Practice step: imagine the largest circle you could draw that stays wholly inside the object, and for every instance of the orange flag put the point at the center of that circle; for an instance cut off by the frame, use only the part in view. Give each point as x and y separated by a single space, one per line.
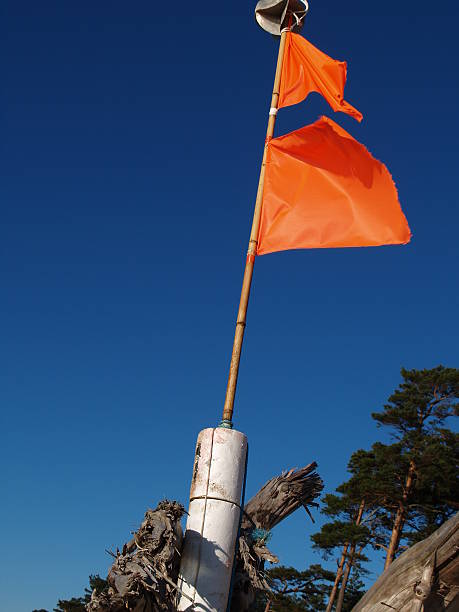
324 189
305 68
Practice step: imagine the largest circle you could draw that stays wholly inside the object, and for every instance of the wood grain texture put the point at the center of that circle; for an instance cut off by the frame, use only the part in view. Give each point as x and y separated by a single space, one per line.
425 578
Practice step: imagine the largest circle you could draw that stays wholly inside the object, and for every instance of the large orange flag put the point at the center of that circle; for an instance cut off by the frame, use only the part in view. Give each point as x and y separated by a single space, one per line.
305 68
324 189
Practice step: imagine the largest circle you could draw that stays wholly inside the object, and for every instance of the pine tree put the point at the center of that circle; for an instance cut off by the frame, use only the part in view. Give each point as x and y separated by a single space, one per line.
295 590
347 534
416 413
77 604
354 592
356 523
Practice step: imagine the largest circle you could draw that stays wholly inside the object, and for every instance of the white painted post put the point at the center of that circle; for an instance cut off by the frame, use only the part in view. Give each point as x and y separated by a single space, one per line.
213 521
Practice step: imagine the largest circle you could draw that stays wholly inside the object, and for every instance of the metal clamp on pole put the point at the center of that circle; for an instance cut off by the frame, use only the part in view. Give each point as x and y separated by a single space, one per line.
274 15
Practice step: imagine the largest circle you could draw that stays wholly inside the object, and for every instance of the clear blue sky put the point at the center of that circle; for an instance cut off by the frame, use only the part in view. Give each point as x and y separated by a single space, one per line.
131 141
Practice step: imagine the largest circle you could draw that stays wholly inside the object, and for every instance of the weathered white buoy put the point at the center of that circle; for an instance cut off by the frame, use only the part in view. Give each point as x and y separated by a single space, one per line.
213 522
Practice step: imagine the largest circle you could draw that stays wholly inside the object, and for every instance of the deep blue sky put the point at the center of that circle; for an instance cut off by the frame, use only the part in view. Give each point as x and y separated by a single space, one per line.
131 141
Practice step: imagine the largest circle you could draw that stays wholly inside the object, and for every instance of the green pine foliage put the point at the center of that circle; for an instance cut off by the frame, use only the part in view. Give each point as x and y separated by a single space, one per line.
77 604
421 404
334 535
296 590
304 591
419 471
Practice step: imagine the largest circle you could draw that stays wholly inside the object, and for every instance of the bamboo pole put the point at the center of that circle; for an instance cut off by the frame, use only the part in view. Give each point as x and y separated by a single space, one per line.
251 252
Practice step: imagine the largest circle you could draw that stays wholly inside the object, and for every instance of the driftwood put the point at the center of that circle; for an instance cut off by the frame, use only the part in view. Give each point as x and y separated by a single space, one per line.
143 577
425 578
279 497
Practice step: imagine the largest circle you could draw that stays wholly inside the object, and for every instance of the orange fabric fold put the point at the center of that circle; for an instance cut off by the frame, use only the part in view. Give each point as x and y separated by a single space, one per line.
305 68
324 189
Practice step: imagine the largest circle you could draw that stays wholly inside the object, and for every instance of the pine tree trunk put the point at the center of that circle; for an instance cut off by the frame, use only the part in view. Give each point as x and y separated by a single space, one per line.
347 572
339 573
350 562
400 517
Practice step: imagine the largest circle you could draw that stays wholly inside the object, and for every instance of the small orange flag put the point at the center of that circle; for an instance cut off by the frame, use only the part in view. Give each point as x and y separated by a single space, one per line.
324 189
305 68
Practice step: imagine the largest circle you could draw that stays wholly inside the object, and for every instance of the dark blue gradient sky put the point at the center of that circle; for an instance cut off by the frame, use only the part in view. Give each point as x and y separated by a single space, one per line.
131 142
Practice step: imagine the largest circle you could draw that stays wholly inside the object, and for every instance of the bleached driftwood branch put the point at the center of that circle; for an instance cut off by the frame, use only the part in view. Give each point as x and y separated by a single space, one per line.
424 578
276 500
